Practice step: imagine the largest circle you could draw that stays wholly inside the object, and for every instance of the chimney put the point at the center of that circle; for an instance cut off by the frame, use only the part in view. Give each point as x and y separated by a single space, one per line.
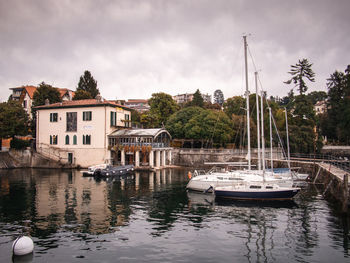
47 102
99 98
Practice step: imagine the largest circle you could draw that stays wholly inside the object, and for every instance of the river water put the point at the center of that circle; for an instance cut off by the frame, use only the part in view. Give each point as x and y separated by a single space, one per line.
151 218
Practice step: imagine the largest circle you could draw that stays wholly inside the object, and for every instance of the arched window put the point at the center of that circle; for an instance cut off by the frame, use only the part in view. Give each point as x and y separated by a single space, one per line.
75 140
50 139
67 139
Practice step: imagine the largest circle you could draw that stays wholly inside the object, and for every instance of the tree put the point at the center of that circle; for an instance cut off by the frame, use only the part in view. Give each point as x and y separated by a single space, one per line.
88 84
219 97
43 92
82 95
316 96
235 106
176 122
205 125
336 124
13 119
162 106
300 71
197 99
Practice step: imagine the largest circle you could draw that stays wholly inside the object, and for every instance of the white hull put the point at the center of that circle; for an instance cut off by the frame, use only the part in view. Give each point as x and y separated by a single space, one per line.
206 182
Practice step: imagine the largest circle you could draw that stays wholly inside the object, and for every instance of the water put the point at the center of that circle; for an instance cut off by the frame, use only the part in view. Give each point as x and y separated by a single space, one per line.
151 218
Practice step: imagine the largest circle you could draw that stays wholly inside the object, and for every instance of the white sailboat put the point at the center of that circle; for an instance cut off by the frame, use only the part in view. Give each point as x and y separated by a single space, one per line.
223 182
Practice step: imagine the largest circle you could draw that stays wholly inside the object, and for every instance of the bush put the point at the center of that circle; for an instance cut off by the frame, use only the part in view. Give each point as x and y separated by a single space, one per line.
19 144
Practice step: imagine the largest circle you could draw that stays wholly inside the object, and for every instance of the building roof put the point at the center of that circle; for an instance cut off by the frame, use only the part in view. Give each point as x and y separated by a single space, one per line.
136 101
80 103
64 91
30 90
139 133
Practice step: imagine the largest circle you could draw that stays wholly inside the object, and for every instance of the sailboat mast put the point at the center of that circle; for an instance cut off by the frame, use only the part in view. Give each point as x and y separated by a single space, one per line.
288 151
271 139
257 118
247 99
262 130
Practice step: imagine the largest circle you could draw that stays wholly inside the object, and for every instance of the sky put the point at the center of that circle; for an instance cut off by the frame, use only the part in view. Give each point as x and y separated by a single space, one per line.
135 48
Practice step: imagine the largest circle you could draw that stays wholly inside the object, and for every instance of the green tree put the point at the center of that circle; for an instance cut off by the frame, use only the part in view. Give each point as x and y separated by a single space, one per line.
204 125
235 106
82 95
299 72
13 119
162 106
88 84
316 96
176 122
336 122
197 100
43 92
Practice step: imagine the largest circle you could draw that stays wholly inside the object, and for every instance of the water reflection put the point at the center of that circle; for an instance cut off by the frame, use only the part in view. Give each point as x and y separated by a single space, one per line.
63 208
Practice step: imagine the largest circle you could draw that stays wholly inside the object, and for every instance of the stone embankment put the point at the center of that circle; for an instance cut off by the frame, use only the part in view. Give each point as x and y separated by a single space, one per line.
27 159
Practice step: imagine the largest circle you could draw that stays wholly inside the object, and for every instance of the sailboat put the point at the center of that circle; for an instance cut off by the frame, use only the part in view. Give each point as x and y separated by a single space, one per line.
252 190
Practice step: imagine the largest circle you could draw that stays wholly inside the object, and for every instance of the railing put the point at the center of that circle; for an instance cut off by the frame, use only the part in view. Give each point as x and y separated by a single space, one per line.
340 162
53 153
140 144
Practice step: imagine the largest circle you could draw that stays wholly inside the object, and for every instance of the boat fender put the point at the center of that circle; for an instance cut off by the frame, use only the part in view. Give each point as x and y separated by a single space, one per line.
23 245
189 175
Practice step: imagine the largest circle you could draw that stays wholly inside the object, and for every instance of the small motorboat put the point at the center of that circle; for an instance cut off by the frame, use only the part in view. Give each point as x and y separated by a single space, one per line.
114 171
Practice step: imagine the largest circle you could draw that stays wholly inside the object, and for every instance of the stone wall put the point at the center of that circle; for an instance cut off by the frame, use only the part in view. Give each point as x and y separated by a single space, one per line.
27 159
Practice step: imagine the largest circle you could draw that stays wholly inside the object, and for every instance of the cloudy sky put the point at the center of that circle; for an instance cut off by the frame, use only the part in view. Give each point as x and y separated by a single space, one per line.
136 48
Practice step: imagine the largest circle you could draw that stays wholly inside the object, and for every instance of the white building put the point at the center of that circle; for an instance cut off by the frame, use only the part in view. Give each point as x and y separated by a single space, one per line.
184 98
138 105
77 132
320 107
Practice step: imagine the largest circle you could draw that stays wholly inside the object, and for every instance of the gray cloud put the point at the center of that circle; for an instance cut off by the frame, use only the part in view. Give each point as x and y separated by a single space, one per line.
136 48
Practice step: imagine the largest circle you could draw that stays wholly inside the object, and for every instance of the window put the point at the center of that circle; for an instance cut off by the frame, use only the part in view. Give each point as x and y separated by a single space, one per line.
127 120
75 140
87 115
72 121
53 117
24 104
53 139
67 139
87 139
113 118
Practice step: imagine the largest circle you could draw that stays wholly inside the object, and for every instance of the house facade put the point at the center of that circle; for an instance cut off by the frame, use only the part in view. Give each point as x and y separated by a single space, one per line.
184 98
76 132
138 105
320 107
25 95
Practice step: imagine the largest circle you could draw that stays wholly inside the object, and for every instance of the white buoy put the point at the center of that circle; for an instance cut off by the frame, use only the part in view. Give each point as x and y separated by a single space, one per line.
23 245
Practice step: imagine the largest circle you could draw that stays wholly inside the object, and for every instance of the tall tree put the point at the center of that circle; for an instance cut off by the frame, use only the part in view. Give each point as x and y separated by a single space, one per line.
336 124
197 99
88 83
162 106
13 119
219 97
299 72
82 95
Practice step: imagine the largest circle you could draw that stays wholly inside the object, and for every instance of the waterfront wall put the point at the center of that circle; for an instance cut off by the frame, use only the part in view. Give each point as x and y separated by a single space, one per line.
27 159
198 157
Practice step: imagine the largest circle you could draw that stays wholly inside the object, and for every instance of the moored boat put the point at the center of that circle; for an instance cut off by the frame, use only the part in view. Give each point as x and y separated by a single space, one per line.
255 191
